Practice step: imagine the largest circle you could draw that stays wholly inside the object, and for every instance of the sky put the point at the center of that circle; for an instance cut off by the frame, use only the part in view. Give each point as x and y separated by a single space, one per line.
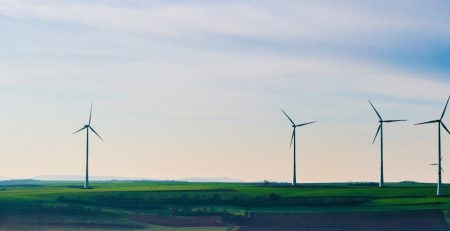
194 88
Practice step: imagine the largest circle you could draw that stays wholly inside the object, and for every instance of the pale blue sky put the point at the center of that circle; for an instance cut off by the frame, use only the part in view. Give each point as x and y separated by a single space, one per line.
194 88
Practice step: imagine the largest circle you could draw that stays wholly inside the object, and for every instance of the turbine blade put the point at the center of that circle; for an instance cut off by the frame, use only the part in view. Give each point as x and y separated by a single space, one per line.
428 122
390 121
292 138
90 115
299 125
378 130
288 117
445 127
445 108
79 130
378 114
96 133
437 165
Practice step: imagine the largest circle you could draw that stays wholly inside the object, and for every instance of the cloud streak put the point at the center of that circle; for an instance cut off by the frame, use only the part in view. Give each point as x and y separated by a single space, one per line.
321 20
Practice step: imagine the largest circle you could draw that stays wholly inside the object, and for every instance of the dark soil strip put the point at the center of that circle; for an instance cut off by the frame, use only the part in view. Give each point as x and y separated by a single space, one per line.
180 221
83 225
391 221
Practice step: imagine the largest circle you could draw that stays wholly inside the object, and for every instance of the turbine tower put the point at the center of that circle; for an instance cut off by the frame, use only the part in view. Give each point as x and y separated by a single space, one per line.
88 127
380 130
440 124
294 126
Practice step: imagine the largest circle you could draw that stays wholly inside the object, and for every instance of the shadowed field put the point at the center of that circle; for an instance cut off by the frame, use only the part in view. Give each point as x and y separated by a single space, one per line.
221 206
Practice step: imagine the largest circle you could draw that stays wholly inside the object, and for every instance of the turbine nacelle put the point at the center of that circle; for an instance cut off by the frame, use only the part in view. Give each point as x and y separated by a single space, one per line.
439 121
294 126
436 121
381 121
88 126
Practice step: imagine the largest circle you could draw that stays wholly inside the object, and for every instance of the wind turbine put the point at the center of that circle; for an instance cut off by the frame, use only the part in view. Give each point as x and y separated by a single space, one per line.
88 127
380 129
294 126
440 124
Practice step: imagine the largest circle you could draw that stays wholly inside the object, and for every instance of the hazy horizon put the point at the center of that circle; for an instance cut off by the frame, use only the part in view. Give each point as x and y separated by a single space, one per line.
80 178
194 88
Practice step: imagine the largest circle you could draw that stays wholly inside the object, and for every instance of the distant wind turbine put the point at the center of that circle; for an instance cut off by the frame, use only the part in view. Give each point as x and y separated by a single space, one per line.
380 130
88 127
294 126
440 124
438 165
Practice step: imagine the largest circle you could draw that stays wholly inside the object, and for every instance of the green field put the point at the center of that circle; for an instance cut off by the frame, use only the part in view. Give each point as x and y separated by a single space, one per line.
134 205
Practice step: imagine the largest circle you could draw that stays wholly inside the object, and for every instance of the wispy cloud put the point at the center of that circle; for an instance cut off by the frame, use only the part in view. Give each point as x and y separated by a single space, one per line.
413 34
317 20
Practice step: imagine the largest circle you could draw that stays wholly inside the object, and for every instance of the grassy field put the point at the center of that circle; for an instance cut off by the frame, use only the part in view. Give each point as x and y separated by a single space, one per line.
213 206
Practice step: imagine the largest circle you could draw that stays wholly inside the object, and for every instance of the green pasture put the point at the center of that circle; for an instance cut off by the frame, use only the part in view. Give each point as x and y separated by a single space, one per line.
164 196
115 201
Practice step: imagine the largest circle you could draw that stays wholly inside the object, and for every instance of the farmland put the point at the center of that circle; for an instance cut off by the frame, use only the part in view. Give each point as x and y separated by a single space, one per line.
220 206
